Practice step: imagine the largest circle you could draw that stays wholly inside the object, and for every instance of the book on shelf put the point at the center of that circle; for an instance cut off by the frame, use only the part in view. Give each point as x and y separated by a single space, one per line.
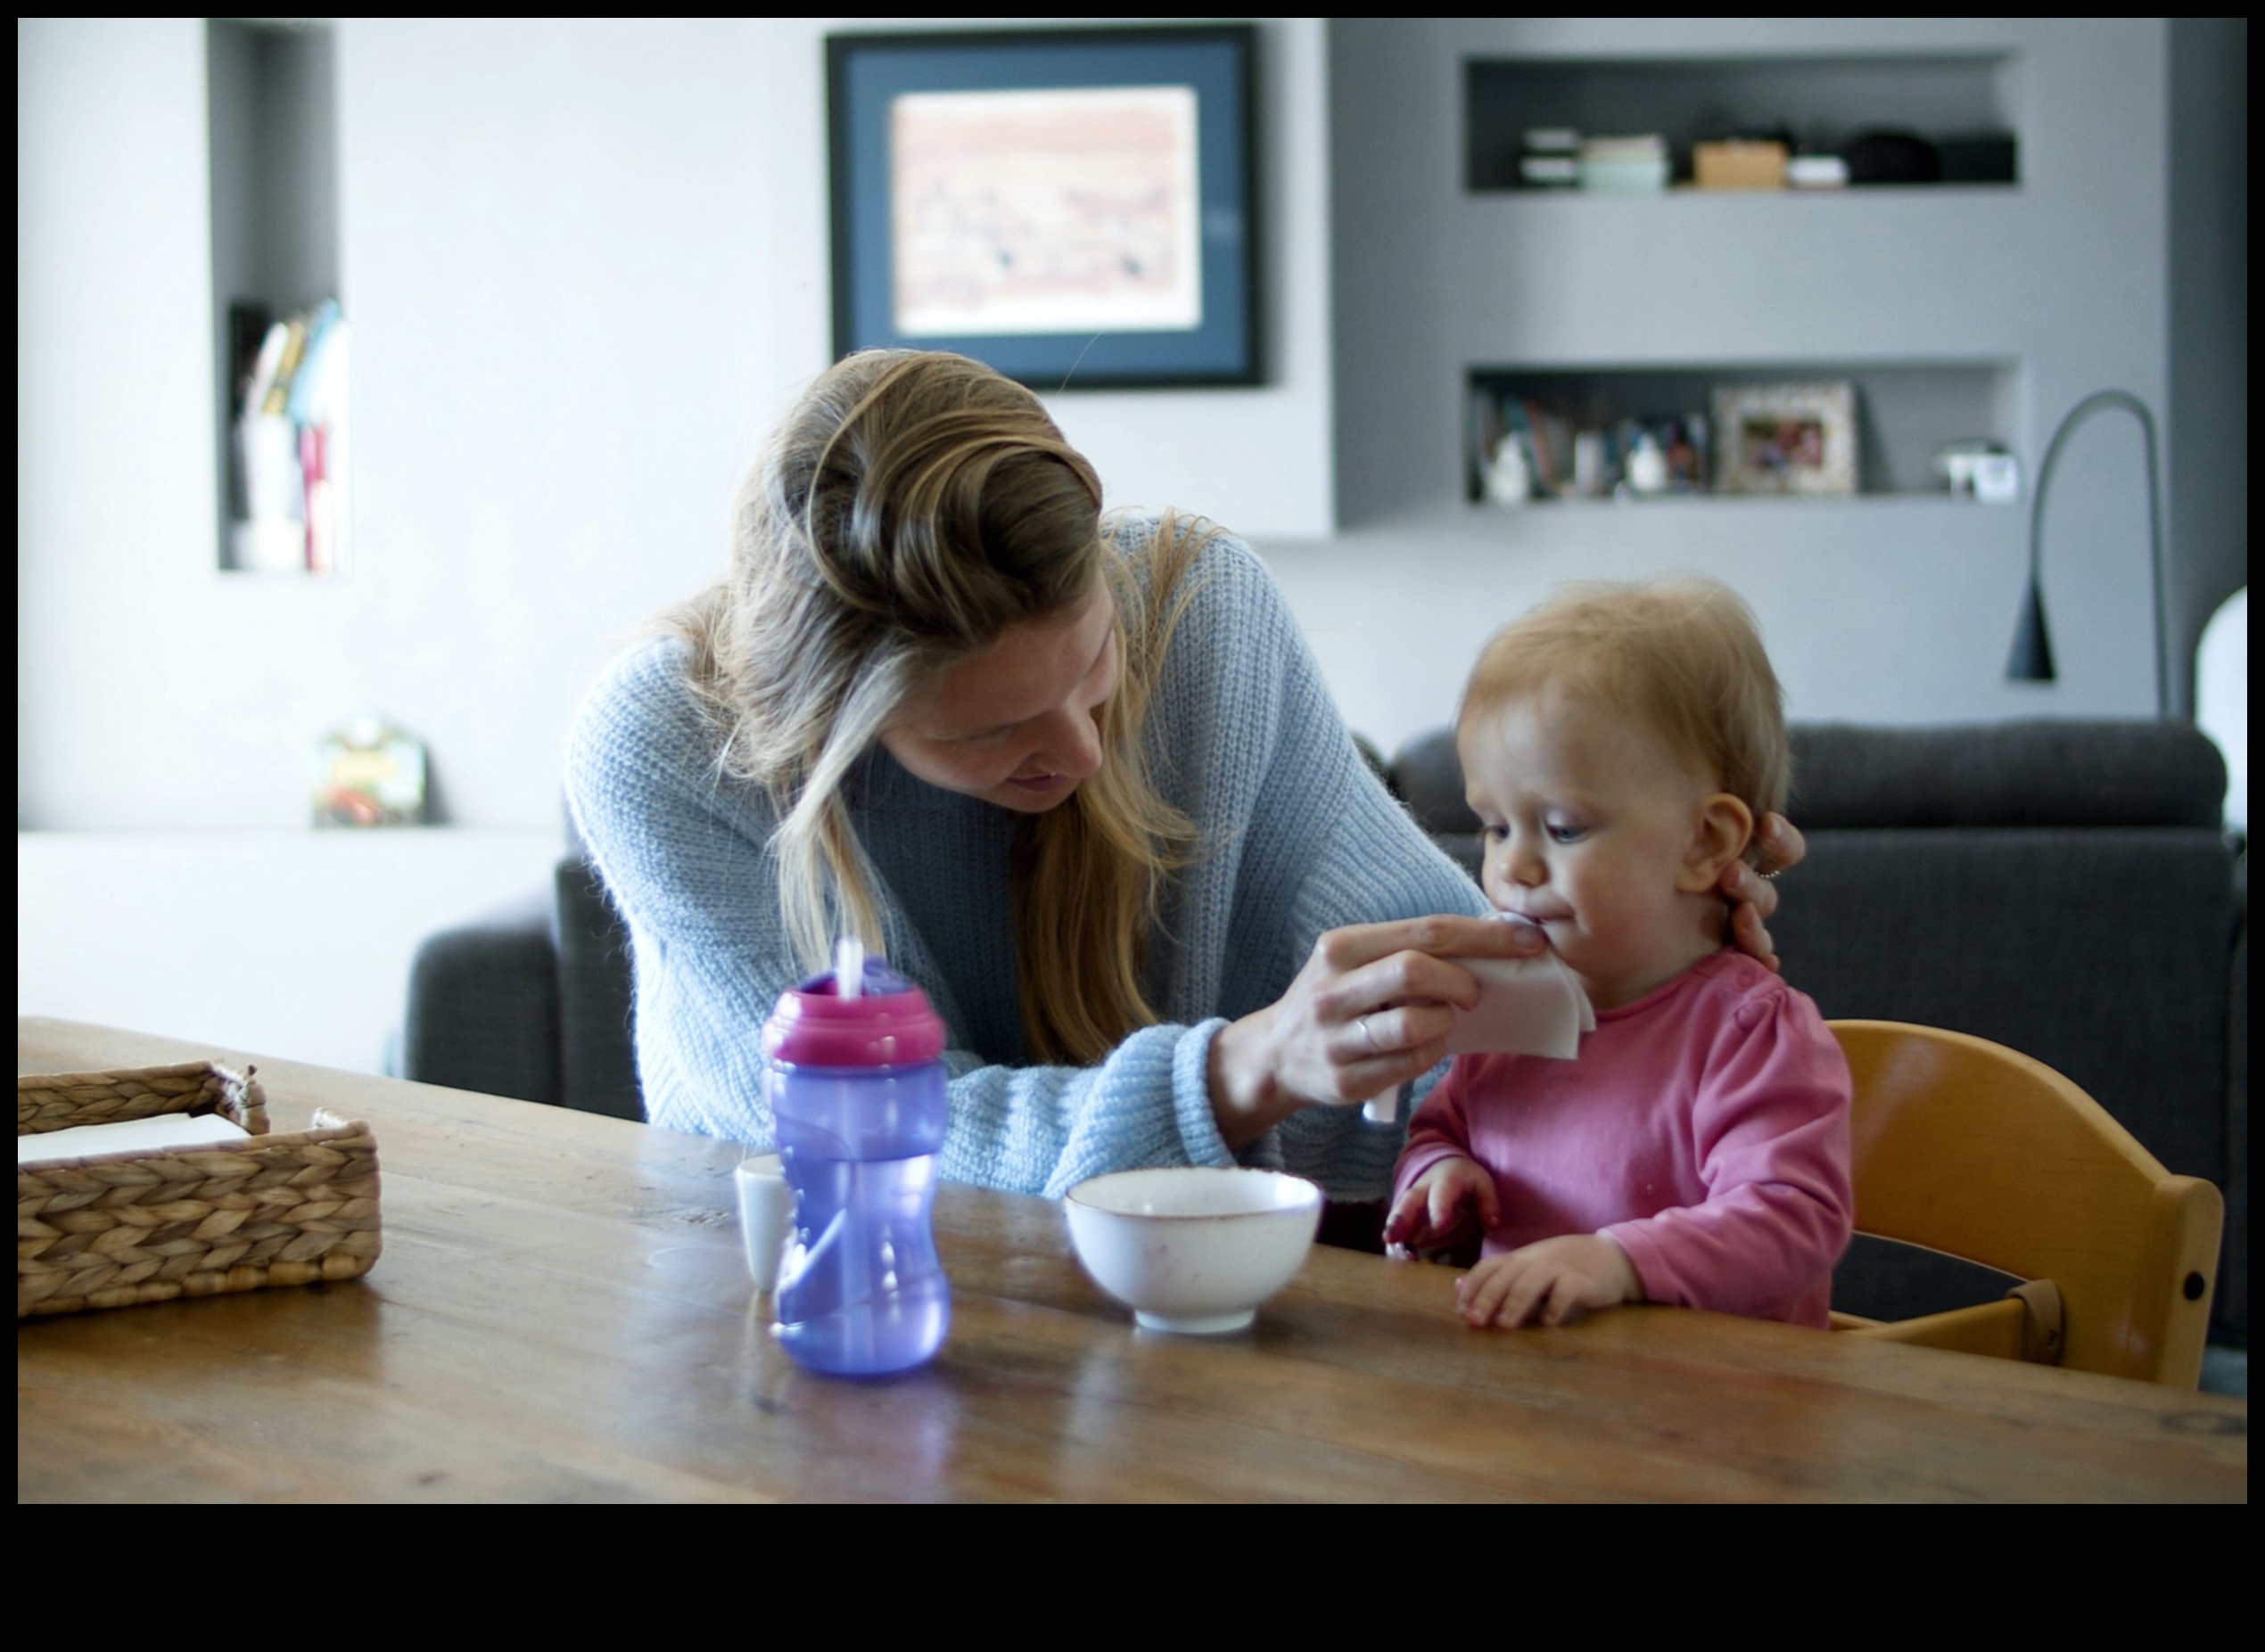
1625 166
288 447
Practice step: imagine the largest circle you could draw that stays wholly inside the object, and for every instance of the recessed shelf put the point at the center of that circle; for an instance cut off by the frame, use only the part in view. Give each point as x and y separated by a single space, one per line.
1822 100
1904 411
272 102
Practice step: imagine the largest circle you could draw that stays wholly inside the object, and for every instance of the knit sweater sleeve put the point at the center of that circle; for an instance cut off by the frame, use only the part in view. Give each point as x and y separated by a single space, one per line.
1300 837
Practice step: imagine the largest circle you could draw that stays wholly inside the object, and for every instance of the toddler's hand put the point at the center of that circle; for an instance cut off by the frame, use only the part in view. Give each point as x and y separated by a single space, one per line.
1438 1210
1551 1283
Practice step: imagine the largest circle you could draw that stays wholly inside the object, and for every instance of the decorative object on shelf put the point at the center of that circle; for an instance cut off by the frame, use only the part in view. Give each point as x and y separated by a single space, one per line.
1077 208
1625 166
1816 172
1739 164
290 444
1977 158
1524 449
1785 438
1978 470
1645 467
1510 475
1592 461
1888 157
2031 659
1550 158
369 774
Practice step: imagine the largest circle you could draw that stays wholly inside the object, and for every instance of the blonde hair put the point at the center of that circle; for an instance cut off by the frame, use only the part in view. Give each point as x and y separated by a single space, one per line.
912 507
1682 657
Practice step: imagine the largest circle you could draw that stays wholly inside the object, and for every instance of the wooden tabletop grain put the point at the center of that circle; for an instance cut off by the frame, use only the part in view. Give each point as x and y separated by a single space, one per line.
561 1314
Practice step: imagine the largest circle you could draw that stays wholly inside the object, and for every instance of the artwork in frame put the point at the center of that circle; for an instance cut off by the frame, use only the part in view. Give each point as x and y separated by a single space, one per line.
1785 438
1076 208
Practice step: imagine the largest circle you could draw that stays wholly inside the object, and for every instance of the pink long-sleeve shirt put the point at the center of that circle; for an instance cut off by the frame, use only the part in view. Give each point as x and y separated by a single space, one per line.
1704 1127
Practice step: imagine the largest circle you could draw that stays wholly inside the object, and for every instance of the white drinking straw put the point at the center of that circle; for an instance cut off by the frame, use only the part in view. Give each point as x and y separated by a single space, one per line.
849 967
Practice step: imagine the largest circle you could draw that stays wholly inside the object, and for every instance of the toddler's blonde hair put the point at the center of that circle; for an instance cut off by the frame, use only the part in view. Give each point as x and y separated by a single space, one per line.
1683 657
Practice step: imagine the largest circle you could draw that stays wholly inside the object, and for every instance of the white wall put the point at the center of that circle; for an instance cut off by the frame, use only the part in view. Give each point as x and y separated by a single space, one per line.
290 944
587 266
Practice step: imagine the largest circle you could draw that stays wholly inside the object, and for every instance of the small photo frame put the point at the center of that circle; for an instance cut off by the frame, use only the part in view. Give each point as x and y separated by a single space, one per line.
1797 438
1076 207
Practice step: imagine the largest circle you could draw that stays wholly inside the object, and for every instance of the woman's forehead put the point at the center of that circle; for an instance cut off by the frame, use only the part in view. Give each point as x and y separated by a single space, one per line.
1026 670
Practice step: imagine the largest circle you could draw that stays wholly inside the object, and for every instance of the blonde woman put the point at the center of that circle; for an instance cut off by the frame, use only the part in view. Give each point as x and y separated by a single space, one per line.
1079 779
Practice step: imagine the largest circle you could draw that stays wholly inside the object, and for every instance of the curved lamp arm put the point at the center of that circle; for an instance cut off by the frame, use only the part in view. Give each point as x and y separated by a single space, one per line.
2032 656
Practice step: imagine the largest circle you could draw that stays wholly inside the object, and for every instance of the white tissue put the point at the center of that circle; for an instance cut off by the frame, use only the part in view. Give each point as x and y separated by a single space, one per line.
1526 1006
165 1130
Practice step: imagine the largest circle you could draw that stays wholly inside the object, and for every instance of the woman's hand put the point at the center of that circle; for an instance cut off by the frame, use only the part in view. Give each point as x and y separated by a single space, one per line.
1552 1282
1752 897
1372 1008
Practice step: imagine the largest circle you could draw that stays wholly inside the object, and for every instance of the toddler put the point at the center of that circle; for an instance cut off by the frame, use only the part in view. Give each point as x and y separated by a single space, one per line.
1619 745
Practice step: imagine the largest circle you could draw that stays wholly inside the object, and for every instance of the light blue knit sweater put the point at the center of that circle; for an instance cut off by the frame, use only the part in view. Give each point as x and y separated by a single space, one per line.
1297 835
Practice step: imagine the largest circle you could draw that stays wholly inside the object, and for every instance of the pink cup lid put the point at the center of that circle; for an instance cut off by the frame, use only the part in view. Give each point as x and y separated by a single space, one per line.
889 1024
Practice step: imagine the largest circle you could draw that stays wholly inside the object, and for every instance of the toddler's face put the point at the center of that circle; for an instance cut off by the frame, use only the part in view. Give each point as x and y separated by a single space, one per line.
1594 832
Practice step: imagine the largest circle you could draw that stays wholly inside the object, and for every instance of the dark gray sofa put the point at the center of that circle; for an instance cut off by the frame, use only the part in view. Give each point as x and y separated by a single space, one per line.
2060 887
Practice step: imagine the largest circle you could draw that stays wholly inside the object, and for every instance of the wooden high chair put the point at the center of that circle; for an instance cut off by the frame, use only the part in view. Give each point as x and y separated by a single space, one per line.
1967 1147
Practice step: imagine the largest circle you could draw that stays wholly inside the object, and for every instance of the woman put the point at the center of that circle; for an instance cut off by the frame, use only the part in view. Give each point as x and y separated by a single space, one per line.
1081 781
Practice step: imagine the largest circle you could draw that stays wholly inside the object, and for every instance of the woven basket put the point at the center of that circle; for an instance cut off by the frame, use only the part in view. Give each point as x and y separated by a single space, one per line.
117 1229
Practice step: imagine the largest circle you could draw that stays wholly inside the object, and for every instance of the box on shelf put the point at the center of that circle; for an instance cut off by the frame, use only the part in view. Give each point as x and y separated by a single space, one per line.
1625 166
1736 165
1977 158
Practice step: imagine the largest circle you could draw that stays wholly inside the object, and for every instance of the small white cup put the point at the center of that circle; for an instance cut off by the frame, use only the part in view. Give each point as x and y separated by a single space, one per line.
766 1210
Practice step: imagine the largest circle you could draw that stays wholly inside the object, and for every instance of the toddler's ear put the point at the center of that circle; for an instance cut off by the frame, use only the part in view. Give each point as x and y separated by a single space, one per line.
1720 830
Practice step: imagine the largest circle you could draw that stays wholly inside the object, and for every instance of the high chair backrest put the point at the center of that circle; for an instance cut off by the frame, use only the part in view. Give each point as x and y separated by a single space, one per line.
1967 1147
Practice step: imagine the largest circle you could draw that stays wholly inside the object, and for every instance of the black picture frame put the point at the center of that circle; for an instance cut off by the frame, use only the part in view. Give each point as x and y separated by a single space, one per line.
1201 325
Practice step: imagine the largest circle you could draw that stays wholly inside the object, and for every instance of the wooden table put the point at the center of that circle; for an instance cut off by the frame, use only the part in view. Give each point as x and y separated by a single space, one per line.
560 1313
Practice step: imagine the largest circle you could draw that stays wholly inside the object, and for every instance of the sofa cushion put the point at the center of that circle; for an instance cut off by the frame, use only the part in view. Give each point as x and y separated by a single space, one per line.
2036 773
2041 772
1427 776
484 1006
597 1069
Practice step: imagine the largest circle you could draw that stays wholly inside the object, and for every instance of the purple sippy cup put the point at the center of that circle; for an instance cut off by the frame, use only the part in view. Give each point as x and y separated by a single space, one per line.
856 1087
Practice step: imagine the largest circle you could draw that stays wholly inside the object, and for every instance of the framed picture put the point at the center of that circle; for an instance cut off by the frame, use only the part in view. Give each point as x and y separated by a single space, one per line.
1076 207
1785 438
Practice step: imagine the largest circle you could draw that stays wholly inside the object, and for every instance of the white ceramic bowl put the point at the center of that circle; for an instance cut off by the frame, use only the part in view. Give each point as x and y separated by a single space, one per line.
1189 1249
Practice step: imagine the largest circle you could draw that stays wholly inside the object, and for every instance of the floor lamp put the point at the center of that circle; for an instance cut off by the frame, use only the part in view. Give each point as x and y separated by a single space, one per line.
2031 660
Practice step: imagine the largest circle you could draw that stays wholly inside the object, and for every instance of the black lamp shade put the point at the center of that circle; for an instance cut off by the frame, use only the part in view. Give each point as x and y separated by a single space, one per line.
2032 661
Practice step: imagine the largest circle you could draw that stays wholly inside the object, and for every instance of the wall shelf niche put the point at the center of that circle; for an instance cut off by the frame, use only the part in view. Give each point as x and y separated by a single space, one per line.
1904 412
1822 100
282 468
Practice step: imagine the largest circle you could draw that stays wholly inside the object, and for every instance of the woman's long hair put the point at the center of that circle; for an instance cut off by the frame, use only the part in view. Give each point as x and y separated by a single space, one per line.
911 507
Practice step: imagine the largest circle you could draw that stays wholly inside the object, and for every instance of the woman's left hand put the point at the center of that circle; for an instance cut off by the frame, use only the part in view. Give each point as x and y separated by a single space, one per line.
1752 897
